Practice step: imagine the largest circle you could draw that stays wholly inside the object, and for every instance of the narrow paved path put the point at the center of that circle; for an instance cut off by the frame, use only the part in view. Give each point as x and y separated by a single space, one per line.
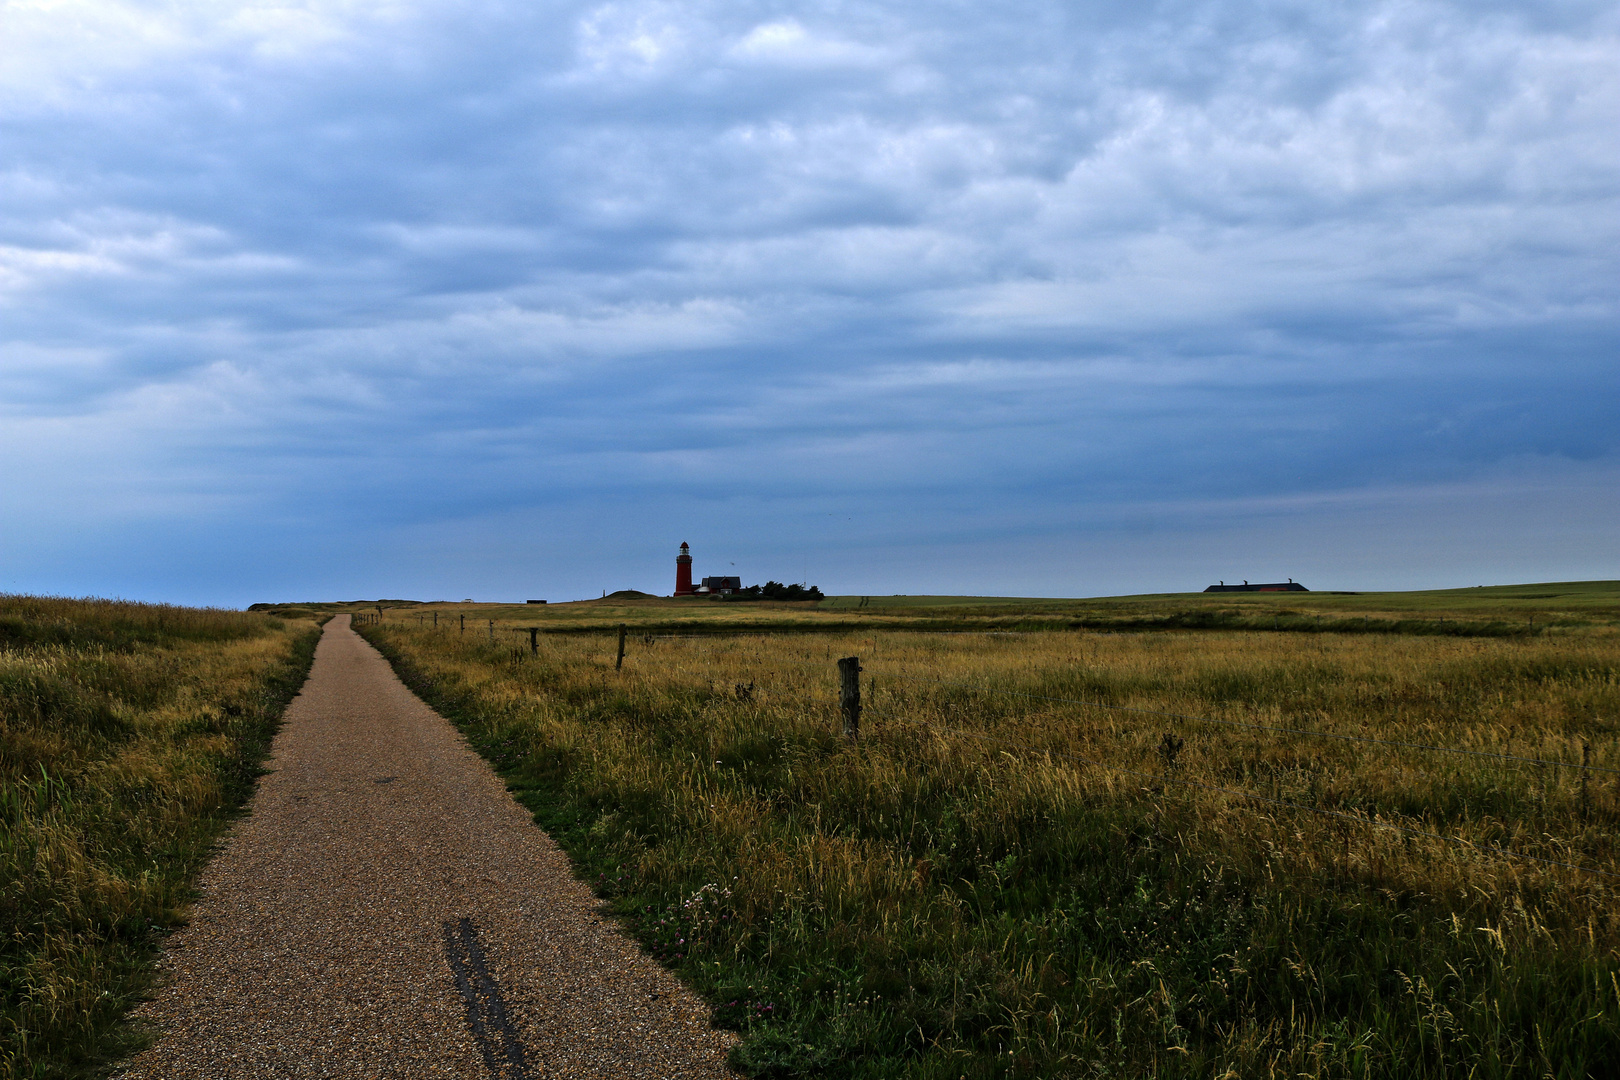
388 910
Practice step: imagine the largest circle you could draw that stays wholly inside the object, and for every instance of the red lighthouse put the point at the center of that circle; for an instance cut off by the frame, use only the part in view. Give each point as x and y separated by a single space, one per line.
683 572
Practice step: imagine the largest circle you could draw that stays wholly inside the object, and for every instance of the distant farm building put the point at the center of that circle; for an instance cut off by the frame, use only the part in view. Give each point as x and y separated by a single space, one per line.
1276 586
712 586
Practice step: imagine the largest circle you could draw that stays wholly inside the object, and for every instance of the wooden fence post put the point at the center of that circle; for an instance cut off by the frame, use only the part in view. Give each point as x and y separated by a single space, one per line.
534 640
619 663
1586 800
492 631
849 677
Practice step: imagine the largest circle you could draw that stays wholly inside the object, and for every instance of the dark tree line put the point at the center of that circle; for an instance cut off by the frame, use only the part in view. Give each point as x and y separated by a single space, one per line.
775 590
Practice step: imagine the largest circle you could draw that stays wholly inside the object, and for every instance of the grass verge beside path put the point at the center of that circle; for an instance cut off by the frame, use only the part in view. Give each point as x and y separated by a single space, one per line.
129 734
964 893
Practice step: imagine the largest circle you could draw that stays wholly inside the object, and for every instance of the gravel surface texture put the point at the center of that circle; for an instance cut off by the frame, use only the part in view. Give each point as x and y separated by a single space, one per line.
388 910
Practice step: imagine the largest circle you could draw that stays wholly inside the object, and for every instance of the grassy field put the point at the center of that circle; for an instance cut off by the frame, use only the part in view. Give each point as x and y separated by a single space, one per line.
1103 838
1496 611
128 735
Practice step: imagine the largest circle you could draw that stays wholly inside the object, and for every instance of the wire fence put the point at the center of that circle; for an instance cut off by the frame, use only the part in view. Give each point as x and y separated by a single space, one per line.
1194 718
1170 778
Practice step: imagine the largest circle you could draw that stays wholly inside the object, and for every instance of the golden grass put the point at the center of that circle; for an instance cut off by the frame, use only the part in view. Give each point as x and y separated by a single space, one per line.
128 733
993 882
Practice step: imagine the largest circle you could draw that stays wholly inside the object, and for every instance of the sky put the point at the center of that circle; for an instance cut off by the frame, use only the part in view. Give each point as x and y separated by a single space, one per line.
332 300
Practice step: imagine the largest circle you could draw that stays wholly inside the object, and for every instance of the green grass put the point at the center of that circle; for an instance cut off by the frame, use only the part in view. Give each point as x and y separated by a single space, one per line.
1494 611
965 892
129 733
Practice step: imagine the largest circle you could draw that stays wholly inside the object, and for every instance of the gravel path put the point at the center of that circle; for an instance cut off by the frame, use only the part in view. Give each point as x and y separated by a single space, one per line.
388 910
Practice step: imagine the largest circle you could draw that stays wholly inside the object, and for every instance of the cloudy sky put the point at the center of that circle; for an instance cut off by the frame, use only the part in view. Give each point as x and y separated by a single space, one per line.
416 299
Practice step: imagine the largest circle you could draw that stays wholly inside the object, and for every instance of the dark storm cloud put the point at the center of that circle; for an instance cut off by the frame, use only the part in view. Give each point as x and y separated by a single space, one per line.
953 270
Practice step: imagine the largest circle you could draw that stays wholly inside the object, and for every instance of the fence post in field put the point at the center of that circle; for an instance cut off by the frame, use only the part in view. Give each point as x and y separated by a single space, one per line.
534 640
619 663
849 677
435 620
1586 800
492 631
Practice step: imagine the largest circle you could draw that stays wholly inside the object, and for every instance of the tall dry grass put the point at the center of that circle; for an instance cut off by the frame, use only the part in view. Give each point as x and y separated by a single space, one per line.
128 734
996 881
